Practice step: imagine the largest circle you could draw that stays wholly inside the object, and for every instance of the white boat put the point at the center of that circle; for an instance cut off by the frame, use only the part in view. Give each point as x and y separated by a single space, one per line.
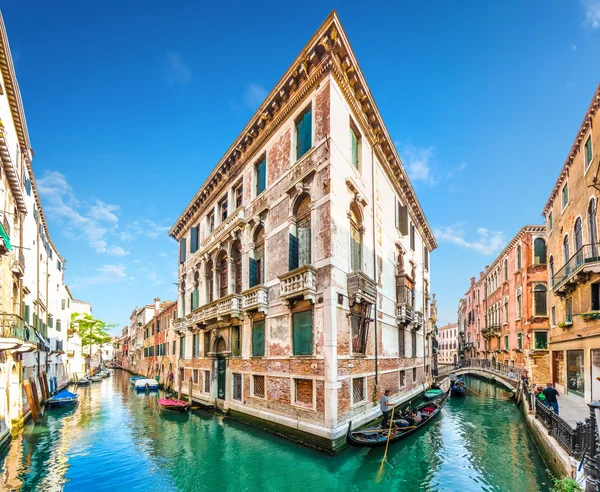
104 374
95 379
146 385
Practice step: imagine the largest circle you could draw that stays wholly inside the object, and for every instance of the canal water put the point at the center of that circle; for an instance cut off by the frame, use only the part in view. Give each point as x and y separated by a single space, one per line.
116 440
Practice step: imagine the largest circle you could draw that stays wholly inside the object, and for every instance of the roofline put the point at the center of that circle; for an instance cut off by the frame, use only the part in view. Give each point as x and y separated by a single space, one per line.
575 148
327 52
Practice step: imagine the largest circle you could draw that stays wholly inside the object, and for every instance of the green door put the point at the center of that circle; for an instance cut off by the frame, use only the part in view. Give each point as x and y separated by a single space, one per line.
221 377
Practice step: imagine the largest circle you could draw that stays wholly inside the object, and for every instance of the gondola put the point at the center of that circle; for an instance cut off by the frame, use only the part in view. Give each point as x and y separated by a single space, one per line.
458 388
84 381
376 436
433 393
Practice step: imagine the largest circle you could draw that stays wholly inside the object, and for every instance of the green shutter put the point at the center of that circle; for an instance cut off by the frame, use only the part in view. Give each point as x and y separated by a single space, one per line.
261 176
293 252
58 325
354 144
302 332
27 313
253 269
182 250
258 338
520 341
50 322
194 240
304 133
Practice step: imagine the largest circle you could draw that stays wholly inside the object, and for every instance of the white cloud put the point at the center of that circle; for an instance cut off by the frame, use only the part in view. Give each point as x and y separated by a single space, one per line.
417 162
154 277
144 227
255 94
573 47
486 243
592 13
177 71
164 255
106 274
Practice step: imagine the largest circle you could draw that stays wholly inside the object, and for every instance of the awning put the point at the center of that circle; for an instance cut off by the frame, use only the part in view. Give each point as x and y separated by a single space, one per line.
5 237
45 343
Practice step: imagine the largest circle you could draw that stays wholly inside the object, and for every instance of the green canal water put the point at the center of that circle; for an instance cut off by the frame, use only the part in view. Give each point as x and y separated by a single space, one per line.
116 440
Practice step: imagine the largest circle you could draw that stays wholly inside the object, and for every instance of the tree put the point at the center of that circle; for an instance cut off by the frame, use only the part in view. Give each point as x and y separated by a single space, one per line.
92 331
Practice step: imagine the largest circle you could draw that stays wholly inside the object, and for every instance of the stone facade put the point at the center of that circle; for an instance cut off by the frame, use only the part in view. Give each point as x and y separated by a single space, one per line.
505 314
448 344
306 232
574 271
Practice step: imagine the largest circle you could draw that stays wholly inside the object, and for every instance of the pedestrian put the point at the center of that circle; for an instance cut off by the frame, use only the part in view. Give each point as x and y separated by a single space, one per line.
550 393
170 380
386 408
511 374
525 378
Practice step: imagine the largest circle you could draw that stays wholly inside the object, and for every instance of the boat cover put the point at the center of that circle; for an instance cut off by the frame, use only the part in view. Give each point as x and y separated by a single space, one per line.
64 394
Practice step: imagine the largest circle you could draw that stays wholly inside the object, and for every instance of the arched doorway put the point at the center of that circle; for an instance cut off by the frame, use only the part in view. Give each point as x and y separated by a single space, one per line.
220 347
14 393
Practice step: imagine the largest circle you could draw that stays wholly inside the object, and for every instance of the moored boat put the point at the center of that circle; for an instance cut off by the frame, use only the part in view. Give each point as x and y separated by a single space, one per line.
433 393
376 436
84 381
95 379
173 405
146 385
63 398
133 379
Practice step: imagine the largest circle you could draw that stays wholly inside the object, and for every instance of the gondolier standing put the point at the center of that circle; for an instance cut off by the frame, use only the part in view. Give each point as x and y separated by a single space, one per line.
386 408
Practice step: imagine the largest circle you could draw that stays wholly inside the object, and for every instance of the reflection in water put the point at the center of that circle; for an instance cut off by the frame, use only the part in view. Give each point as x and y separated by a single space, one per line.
117 440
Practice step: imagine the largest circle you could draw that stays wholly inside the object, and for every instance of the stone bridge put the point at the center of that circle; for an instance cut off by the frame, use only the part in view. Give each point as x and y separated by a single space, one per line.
499 377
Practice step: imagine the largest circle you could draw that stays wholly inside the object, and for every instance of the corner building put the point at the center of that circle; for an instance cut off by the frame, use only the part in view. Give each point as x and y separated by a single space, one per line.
307 230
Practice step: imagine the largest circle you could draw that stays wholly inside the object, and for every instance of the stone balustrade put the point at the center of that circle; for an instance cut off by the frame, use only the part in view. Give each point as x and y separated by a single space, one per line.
299 283
255 299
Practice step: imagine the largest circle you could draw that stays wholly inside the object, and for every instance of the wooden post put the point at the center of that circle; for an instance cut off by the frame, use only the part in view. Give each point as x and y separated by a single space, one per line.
31 401
42 394
190 390
179 392
46 387
34 392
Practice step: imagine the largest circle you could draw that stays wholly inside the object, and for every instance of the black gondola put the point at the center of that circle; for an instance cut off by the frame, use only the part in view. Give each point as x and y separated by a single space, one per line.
458 388
376 436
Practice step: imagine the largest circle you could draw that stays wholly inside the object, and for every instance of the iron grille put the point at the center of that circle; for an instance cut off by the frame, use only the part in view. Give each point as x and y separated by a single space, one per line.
195 376
237 386
207 381
259 386
358 390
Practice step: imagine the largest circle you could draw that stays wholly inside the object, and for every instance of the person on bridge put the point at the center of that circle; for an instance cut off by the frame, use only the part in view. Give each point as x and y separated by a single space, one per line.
550 393
386 408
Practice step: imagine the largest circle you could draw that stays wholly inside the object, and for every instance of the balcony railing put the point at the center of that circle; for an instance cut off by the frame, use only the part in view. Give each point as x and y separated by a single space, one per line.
18 265
180 325
299 283
235 219
491 331
404 313
361 288
229 306
14 333
255 299
586 259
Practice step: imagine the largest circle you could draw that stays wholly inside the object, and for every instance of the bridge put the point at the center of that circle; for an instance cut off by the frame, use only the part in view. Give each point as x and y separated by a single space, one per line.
503 374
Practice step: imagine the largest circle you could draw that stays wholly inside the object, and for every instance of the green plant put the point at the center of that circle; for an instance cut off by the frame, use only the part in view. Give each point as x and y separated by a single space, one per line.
591 316
564 484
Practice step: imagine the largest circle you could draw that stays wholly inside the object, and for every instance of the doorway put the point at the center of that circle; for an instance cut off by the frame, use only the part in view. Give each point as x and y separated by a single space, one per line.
221 371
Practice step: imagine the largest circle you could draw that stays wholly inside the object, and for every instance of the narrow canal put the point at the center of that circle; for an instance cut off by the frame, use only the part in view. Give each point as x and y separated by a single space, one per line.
116 440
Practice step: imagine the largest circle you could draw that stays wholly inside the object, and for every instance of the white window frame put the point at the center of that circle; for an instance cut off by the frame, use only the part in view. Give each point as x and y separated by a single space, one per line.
252 394
314 393
586 167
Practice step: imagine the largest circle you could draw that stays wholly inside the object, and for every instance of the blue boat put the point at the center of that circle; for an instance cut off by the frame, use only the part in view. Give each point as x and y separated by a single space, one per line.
133 379
146 385
63 398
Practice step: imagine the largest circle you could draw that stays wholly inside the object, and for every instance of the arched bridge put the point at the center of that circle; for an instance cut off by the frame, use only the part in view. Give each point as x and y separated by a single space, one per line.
502 374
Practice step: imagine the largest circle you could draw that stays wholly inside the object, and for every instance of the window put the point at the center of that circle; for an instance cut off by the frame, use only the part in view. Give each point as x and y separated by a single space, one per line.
412 236
223 208
210 222
195 376
565 195
506 342
182 250
256 264
578 231
358 390
26 313
174 347
236 341
258 338
237 387
588 152
58 325
595 296
236 256
304 133
303 392
401 378
207 381
206 343
426 257
519 304
181 347
224 275
520 341
566 252
414 374
300 235
540 340
506 310
551 268
402 218
592 228
302 332
354 146
258 386
401 343
539 251
355 242
518 261
506 269
195 345
553 311
195 299
239 195
540 300
210 285
260 175
550 222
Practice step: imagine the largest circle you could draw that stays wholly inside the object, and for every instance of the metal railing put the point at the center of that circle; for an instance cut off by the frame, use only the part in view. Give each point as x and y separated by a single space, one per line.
588 253
12 326
503 369
573 440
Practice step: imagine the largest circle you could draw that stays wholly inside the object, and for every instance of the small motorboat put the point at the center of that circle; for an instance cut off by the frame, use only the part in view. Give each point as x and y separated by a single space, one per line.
133 379
63 398
96 379
433 393
146 385
376 436
172 405
103 374
84 381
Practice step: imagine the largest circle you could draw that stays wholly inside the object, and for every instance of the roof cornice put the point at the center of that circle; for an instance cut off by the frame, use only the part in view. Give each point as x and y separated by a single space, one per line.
575 148
328 51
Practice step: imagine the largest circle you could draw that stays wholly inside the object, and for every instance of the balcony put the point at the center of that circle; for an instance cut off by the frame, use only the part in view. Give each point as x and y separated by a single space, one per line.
491 331
180 325
227 307
18 264
361 288
299 283
405 314
236 219
255 299
14 335
417 320
585 260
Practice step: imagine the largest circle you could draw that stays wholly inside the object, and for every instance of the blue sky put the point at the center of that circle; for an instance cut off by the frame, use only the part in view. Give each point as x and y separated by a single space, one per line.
130 105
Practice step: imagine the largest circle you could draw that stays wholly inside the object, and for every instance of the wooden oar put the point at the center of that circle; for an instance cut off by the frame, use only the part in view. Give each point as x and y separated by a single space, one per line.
388 437
474 391
370 431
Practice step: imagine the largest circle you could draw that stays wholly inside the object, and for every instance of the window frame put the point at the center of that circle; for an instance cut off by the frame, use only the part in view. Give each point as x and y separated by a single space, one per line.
364 385
586 164
261 160
223 205
535 332
550 222
252 393
562 196
312 338
301 114
536 289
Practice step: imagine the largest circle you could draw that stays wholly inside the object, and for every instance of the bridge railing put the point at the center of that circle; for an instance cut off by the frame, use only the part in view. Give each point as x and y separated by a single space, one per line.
503 369
573 440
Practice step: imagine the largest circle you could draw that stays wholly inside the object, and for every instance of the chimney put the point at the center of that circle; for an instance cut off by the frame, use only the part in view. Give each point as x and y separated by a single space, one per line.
487 267
472 281
156 305
480 275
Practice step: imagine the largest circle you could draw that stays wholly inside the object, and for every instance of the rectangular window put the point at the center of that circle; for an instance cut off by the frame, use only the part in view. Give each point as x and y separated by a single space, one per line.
210 222
195 376
293 259
401 343
414 374
58 325
401 378
236 341
596 296
26 313
206 343
63 304
519 305
553 311
565 195
181 347
258 386
303 392
223 209
194 239
426 257
239 195
182 250
174 347
207 381
588 152
506 310
195 345
304 133
505 342
412 236
358 390
258 338
540 340
520 341
354 146
302 333
550 223
402 219
413 334
569 309
237 387
260 175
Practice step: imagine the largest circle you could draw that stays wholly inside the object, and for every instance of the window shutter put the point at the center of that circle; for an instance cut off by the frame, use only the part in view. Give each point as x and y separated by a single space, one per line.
293 259
182 250
303 246
261 176
27 313
196 297
194 240
403 219
354 143
595 297
302 328
58 325
258 338
253 269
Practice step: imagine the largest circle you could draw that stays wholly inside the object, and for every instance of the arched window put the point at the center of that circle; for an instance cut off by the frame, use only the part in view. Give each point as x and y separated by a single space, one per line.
566 253
209 271
578 231
506 269
519 257
551 266
355 241
236 255
539 251
300 253
592 227
257 264
540 300
223 273
519 304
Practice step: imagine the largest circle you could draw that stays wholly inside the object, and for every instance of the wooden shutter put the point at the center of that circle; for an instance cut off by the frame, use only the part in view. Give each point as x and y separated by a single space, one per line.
293 258
27 308
403 219
258 338
195 299
253 269
354 148
595 297
304 245
261 175
194 240
302 331
182 250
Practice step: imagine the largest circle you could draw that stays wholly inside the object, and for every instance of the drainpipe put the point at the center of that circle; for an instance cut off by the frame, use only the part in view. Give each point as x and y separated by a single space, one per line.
373 200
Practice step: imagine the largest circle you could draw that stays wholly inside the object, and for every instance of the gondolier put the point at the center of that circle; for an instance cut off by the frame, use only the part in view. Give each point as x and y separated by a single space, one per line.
386 408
